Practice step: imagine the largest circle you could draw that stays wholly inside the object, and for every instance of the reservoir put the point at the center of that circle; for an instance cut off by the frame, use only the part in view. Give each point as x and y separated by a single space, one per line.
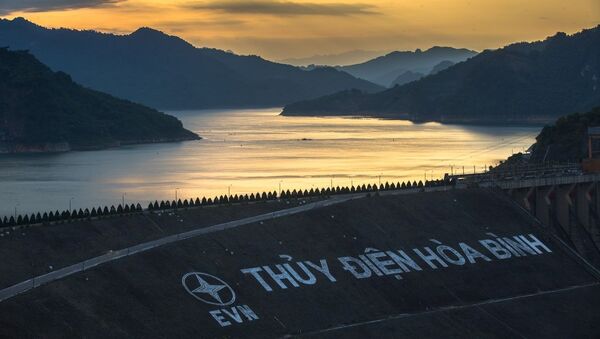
244 151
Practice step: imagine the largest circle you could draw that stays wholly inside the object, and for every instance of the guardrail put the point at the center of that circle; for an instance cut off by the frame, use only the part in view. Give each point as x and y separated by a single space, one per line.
512 173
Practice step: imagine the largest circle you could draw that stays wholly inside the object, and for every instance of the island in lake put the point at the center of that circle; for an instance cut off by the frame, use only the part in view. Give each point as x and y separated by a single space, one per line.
45 111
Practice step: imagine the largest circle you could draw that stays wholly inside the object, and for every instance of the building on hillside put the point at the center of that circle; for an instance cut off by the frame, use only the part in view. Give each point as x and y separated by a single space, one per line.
592 162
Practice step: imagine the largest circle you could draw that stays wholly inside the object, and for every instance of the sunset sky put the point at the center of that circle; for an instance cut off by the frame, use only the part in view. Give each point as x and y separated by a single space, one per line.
295 28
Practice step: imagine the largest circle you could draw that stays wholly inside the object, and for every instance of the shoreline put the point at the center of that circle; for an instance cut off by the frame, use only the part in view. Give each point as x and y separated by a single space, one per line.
63 147
534 122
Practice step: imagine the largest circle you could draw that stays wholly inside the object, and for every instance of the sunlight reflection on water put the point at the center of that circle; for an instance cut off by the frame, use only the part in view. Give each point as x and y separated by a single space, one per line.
253 150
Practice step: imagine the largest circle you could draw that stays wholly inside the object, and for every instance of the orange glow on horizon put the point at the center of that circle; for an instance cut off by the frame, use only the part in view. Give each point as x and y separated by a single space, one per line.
283 29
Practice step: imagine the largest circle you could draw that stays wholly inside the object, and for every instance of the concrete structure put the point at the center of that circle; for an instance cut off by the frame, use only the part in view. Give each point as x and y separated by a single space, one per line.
569 205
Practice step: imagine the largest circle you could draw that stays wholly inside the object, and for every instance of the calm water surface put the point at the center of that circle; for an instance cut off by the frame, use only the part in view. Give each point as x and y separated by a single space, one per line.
247 151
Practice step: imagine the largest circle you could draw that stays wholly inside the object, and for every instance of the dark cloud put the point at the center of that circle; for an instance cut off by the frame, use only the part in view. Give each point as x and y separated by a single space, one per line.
9 6
287 8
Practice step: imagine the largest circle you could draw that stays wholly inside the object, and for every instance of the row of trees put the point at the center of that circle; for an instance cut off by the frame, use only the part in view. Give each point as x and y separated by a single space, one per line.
57 216
38 218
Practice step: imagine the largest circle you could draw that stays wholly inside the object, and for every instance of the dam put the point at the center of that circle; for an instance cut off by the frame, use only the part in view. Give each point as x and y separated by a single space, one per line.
454 261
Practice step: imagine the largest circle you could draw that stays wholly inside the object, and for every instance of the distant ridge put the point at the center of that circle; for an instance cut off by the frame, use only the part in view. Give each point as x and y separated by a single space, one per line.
522 82
45 111
164 71
384 70
340 59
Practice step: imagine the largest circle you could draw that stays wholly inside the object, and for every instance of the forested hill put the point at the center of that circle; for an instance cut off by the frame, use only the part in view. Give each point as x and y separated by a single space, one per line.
162 71
42 110
537 81
565 140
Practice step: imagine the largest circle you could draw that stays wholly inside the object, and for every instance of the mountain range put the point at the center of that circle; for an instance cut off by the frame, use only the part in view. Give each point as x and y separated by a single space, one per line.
340 59
384 70
522 82
410 76
42 110
162 71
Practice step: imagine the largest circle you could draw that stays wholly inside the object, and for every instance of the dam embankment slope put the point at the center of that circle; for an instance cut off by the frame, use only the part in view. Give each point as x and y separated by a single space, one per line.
453 263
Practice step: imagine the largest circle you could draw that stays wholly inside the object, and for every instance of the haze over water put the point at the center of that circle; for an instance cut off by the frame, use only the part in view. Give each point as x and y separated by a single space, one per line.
248 151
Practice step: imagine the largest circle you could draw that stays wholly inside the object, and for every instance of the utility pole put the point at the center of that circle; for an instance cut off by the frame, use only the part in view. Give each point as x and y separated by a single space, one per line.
123 199
71 199
229 190
176 194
